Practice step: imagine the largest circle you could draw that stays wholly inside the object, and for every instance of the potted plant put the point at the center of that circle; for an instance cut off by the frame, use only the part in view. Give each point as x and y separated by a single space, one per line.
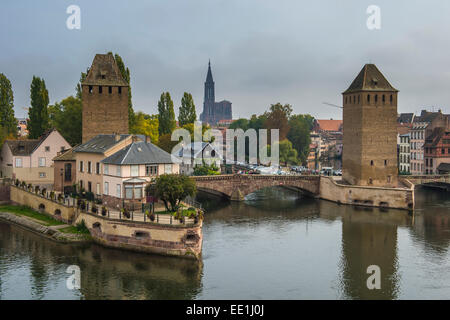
30 187
104 211
52 195
44 192
17 182
36 189
23 184
83 205
126 213
94 209
60 197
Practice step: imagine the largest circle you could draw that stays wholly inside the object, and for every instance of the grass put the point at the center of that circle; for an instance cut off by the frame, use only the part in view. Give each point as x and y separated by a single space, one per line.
72 230
28 212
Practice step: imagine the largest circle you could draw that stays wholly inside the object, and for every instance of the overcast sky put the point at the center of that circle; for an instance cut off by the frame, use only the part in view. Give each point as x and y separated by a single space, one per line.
262 51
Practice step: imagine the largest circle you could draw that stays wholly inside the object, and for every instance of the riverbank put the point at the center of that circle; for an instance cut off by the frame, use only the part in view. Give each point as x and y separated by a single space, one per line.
35 222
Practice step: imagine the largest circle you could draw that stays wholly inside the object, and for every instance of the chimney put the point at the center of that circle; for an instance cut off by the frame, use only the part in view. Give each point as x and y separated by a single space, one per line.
116 137
147 139
134 138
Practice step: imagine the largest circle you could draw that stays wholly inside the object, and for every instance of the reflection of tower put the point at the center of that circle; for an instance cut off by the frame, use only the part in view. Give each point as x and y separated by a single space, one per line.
369 238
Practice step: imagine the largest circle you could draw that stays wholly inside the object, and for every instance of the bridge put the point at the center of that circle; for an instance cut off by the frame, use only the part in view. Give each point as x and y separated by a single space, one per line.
236 187
436 181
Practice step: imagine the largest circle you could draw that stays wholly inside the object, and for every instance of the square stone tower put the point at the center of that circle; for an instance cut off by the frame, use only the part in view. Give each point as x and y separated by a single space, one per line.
104 95
370 130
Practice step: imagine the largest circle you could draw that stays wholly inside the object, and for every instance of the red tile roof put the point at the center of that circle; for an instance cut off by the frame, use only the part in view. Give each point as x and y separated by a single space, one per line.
329 125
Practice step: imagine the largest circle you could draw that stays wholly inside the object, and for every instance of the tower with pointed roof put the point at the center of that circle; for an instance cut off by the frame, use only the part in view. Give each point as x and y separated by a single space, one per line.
370 130
104 95
213 111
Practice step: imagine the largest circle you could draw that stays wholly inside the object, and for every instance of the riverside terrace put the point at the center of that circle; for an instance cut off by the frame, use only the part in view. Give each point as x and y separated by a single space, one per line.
164 235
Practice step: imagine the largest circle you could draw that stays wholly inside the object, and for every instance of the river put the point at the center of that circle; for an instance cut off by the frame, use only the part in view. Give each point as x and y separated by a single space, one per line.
275 245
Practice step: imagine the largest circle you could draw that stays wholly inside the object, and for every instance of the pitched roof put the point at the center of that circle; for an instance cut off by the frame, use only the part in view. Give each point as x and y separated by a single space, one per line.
405 117
104 71
370 79
426 116
329 125
209 77
26 147
68 155
139 152
434 137
100 143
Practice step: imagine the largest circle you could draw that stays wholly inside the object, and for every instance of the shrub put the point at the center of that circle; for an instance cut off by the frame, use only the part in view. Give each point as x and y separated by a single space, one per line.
81 227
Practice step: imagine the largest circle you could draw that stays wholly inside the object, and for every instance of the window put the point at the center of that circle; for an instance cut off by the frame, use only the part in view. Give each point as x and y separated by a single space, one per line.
98 189
118 191
371 162
81 184
384 98
47 149
129 192
120 90
443 151
62 148
109 89
89 167
151 170
90 89
41 162
167 168
138 193
100 89
134 170
105 169
118 171
385 162
390 98
106 191
97 167
376 98
18 162
81 166
368 98
68 172
41 174
89 186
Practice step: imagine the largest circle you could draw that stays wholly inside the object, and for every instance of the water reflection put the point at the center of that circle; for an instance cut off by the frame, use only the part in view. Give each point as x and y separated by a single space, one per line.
277 244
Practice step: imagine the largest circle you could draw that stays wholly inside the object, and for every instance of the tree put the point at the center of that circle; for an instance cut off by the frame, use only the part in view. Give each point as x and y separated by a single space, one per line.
78 88
299 134
147 125
38 114
126 76
172 189
187 110
66 117
278 118
166 114
206 170
165 142
288 155
8 121
239 124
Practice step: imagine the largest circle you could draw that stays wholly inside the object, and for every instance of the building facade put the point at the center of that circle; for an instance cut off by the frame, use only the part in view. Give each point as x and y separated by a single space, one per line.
104 98
437 150
31 160
213 112
370 130
404 154
65 171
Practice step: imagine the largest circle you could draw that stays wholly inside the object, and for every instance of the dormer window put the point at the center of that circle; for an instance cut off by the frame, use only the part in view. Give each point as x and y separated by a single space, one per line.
103 74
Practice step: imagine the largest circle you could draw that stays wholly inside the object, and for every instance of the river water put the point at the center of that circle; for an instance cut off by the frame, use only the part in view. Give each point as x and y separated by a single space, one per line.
275 245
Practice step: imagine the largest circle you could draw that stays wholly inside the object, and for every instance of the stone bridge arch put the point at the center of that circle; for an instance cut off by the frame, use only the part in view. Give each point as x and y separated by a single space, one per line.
236 187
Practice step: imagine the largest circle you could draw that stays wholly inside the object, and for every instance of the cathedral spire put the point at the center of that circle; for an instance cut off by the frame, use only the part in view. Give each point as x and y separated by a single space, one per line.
209 77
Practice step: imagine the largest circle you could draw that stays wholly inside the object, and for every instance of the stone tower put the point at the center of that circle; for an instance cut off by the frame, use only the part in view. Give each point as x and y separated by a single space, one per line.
105 99
209 98
370 130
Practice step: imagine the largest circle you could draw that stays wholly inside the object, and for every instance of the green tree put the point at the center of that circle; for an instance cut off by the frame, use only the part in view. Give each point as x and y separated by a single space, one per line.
278 118
38 114
299 134
8 121
187 110
147 125
241 123
206 170
66 117
288 155
126 76
172 189
165 142
78 88
166 114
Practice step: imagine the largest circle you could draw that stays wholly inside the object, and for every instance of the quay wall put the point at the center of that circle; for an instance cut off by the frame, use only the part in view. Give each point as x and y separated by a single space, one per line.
173 240
398 198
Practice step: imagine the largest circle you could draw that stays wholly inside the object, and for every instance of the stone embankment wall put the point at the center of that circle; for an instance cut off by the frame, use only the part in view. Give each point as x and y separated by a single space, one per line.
36 201
399 198
175 240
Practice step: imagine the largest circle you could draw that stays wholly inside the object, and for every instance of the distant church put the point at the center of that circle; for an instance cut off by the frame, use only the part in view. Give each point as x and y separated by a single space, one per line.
213 111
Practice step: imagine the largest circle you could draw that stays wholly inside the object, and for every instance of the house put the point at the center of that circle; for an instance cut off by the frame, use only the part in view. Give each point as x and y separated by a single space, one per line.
31 160
64 171
88 157
327 126
437 150
127 172
196 153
